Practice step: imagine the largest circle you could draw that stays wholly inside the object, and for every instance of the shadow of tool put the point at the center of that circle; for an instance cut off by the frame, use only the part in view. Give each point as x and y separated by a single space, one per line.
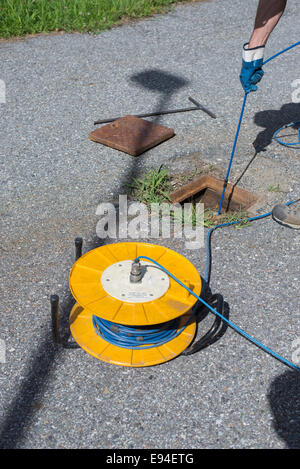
273 120
166 85
284 398
158 81
238 180
24 405
161 82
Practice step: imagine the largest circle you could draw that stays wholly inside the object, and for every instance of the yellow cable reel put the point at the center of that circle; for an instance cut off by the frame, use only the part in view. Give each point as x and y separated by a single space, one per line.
100 283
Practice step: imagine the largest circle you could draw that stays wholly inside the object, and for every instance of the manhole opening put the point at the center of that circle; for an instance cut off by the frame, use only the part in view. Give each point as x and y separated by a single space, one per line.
208 190
211 200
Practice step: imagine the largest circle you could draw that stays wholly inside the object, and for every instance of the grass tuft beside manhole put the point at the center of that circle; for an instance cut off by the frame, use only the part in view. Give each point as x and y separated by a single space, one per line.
155 187
21 17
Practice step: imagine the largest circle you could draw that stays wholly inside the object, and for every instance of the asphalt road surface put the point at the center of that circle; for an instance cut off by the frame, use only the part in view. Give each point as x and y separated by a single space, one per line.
230 395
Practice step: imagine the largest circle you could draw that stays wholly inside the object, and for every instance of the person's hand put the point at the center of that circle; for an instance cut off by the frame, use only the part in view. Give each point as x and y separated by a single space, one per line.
251 72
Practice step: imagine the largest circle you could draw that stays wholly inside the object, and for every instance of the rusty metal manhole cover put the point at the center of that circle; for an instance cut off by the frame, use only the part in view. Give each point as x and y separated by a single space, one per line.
131 135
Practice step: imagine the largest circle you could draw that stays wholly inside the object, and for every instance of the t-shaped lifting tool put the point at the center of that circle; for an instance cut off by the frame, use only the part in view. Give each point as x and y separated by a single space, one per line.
159 113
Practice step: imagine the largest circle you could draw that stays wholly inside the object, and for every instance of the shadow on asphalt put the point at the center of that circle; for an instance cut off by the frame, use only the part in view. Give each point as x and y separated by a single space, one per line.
160 82
285 390
27 400
23 407
273 120
284 398
240 177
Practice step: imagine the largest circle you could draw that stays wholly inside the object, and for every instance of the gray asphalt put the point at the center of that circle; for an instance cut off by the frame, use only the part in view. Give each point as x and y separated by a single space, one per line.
230 395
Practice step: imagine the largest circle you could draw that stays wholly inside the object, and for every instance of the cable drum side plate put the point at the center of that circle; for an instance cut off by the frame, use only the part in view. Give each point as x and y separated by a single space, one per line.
100 277
87 289
83 331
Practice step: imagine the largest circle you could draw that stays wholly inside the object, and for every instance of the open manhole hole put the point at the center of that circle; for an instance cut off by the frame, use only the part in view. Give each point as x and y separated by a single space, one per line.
208 190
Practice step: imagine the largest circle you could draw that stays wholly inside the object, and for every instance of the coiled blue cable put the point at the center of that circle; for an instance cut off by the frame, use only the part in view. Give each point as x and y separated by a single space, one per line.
134 337
131 337
143 338
286 144
239 125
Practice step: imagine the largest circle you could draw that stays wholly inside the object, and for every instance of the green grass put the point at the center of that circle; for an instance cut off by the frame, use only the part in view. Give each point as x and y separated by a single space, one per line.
210 218
273 188
154 187
20 17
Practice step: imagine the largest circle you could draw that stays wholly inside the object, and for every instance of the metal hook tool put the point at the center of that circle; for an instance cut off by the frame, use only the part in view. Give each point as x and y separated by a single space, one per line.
159 113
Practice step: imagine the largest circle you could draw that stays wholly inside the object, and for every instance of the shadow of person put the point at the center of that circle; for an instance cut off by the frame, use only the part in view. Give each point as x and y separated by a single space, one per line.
20 413
284 398
273 120
165 84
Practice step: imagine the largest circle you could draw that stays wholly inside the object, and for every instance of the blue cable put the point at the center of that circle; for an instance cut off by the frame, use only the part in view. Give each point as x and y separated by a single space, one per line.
286 144
239 125
233 152
132 337
146 337
224 319
222 225
281 52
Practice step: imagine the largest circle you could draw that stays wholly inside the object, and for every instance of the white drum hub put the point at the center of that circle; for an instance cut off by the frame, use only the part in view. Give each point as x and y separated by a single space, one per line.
116 282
